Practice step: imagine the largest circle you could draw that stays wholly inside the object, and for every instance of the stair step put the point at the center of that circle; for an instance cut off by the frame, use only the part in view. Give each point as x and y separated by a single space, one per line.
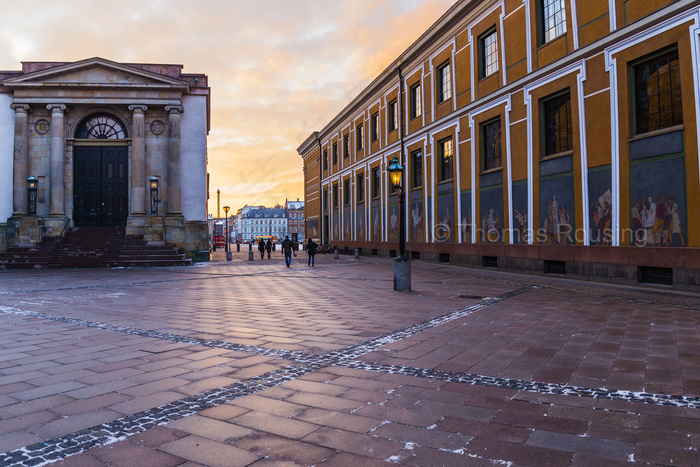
90 247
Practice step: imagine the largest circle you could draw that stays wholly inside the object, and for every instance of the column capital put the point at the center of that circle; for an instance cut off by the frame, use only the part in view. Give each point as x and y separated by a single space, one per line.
174 109
19 108
57 108
138 108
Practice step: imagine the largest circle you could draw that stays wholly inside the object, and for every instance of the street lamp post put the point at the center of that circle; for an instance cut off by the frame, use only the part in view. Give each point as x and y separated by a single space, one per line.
226 249
402 265
32 184
153 182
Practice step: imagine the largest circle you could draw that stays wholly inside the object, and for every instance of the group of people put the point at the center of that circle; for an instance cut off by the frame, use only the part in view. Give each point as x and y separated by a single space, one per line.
657 223
289 250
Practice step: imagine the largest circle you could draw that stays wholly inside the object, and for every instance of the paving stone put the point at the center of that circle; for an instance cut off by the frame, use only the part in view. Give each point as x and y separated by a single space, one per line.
341 420
363 445
271 406
618 450
280 448
432 438
126 453
286 427
210 453
209 428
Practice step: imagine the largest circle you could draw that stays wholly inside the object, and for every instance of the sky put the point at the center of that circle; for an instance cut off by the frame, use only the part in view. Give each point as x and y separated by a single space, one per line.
278 69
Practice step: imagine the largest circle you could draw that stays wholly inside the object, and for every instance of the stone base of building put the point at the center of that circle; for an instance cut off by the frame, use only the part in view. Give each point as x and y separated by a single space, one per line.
151 228
673 268
55 226
174 229
3 238
196 239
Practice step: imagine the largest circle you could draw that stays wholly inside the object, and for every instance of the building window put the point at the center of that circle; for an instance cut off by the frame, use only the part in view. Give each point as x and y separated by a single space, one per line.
444 82
360 187
335 153
657 93
415 101
491 136
325 159
335 196
489 54
346 192
445 155
376 183
557 124
417 169
393 115
553 20
346 145
375 127
360 137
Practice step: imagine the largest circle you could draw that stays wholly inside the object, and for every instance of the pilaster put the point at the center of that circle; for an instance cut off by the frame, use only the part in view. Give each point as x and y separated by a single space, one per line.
57 178
174 160
21 160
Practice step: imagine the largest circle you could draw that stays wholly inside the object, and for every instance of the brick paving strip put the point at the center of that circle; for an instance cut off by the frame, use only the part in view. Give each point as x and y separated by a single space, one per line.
119 429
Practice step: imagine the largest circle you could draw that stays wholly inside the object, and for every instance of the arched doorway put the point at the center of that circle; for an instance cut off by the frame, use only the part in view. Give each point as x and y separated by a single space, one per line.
100 172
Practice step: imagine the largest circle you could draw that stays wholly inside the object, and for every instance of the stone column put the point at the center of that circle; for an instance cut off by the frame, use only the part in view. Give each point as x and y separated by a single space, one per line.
57 177
21 161
174 160
139 205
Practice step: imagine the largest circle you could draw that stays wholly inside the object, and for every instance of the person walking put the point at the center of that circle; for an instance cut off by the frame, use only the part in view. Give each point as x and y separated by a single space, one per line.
287 246
311 250
261 248
268 247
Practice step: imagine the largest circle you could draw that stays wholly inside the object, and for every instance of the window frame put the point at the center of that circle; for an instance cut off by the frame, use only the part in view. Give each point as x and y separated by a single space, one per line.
444 82
415 98
544 114
542 23
325 159
634 91
374 124
335 153
376 183
346 192
483 65
360 188
346 145
484 142
442 166
360 133
393 115
335 196
417 169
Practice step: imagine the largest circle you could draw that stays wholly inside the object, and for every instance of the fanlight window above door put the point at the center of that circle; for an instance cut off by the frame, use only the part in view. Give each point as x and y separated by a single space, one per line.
101 126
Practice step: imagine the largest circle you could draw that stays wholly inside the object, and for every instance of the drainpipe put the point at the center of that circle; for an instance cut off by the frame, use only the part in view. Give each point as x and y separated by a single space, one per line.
401 132
321 216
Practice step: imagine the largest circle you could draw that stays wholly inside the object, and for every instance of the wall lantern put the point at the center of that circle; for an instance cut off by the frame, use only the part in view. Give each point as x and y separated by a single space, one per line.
154 182
395 172
32 187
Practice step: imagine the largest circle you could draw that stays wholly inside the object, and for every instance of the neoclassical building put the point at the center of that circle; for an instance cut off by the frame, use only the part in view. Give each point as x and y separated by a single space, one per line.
538 136
98 136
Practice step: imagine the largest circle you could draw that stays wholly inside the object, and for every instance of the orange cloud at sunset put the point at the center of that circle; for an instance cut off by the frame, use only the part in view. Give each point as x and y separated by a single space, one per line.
278 69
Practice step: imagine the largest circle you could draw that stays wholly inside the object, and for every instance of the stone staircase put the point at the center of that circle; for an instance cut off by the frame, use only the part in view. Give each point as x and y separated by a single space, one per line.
93 247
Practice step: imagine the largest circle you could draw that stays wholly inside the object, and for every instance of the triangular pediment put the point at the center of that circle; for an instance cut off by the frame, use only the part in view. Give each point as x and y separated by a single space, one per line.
95 72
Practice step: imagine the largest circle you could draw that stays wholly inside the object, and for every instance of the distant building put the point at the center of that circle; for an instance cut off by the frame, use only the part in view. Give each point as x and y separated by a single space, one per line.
295 219
262 221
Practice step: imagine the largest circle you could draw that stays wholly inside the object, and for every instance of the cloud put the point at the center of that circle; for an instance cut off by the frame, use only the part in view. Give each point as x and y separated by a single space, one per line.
278 69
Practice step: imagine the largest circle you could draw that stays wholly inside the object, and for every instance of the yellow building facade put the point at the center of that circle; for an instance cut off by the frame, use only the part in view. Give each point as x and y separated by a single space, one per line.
537 136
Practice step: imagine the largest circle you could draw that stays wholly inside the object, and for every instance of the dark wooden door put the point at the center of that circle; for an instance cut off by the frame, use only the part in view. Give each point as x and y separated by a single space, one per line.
101 186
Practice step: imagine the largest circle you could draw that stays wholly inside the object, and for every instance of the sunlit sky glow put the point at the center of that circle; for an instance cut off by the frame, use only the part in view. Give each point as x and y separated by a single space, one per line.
278 69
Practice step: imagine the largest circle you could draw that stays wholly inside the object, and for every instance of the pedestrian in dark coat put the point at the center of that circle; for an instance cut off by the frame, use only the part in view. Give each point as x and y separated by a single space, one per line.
261 248
287 246
311 250
268 247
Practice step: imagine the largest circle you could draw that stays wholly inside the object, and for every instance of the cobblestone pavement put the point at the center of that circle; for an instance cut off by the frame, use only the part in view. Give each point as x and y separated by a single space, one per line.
252 363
